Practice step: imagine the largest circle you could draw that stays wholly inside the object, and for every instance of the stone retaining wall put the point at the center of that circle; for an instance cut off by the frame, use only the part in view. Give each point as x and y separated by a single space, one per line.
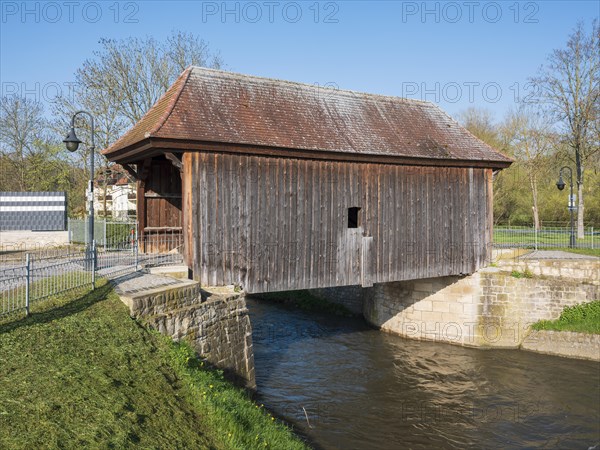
584 270
564 343
490 308
217 325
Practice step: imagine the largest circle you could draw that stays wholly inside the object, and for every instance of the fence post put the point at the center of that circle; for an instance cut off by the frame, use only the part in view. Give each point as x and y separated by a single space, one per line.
105 236
93 255
28 282
135 249
536 236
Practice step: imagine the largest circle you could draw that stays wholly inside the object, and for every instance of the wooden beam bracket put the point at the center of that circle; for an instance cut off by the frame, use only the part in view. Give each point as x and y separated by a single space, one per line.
175 160
130 170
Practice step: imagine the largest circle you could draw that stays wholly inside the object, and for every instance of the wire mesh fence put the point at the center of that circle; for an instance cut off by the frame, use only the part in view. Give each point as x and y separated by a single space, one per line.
23 283
545 237
28 277
107 233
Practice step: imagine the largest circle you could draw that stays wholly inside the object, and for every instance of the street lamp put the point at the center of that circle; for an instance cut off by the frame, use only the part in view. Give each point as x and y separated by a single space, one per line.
560 184
72 143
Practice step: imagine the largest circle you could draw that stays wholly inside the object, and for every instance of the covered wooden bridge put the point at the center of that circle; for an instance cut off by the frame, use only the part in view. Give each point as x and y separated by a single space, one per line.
276 185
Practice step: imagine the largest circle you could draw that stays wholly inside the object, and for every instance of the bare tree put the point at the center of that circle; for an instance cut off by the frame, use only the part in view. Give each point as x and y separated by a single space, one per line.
129 75
30 159
529 134
123 80
480 122
21 126
570 88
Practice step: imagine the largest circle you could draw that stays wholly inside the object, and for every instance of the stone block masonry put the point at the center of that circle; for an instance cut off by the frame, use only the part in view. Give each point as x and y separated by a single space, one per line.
564 343
214 321
490 308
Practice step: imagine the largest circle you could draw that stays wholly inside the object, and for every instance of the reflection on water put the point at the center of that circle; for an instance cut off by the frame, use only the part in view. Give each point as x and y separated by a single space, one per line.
364 389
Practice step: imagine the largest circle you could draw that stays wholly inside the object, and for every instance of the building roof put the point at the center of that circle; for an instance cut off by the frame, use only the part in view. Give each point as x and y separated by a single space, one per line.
207 106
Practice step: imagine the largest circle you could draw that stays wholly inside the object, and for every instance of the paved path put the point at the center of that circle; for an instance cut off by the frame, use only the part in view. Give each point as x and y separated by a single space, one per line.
555 254
137 282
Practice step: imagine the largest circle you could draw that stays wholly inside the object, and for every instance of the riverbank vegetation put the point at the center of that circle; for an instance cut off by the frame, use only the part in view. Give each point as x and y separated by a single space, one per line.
81 373
582 318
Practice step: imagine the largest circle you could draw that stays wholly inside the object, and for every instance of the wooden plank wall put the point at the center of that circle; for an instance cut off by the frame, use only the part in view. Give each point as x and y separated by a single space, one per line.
274 224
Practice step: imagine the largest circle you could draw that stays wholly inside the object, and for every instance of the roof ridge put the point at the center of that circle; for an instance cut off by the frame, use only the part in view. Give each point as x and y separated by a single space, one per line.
172 102
351 92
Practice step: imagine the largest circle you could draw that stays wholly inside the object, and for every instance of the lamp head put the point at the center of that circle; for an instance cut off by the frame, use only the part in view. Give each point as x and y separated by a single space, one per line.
72 141
560 184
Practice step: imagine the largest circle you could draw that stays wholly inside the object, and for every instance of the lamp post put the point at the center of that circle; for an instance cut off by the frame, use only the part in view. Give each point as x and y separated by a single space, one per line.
72 143
560 184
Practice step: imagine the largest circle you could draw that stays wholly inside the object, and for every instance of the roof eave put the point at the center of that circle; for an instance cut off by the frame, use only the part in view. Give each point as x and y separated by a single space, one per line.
153 146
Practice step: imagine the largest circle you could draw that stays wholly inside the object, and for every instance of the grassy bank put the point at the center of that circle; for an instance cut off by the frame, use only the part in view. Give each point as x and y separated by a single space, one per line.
80 373
583 318
584 251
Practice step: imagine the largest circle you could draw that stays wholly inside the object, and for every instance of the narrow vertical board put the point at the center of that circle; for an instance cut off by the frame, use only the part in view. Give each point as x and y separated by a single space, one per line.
366 264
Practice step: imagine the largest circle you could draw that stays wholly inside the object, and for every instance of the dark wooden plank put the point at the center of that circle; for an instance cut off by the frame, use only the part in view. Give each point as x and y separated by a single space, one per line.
313 236
222 182
210 243
274 208
292 217
227 188
244 226
253 212
301 223
260 261
339 204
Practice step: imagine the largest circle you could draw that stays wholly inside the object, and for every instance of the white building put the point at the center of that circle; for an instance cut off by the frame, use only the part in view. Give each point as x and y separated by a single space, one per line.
115 196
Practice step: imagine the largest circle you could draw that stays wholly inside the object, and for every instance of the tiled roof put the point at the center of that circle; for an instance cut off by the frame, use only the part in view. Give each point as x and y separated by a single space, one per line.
208 105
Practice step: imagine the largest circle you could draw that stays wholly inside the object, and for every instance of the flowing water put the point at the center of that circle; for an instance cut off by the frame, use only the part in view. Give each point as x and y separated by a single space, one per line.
345 386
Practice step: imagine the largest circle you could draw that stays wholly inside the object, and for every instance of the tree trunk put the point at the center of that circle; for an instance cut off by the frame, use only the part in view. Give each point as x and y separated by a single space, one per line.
534 192
580 229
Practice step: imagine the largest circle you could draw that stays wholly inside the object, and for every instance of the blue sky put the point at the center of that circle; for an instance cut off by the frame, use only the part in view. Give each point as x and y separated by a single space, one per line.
456 54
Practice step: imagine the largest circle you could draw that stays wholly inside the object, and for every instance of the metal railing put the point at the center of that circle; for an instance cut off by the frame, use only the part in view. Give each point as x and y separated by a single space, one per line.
26 278
22 284
545 237
107 233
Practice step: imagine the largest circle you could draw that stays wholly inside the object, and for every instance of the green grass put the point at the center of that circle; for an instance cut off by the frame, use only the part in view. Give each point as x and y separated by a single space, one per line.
524 274
583 318
583 251
45 288
80 373
527 238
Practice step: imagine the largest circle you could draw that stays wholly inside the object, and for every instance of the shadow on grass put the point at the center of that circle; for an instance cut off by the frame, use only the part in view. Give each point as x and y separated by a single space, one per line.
69 308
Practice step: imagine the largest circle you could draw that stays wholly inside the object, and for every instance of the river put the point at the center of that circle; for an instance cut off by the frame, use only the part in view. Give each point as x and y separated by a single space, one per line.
344 385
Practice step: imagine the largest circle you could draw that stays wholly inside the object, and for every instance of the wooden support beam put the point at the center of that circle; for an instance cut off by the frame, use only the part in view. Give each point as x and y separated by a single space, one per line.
130 170
174 160
143 174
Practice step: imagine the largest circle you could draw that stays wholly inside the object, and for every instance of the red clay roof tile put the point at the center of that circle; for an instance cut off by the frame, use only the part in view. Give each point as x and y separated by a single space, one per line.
215 106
